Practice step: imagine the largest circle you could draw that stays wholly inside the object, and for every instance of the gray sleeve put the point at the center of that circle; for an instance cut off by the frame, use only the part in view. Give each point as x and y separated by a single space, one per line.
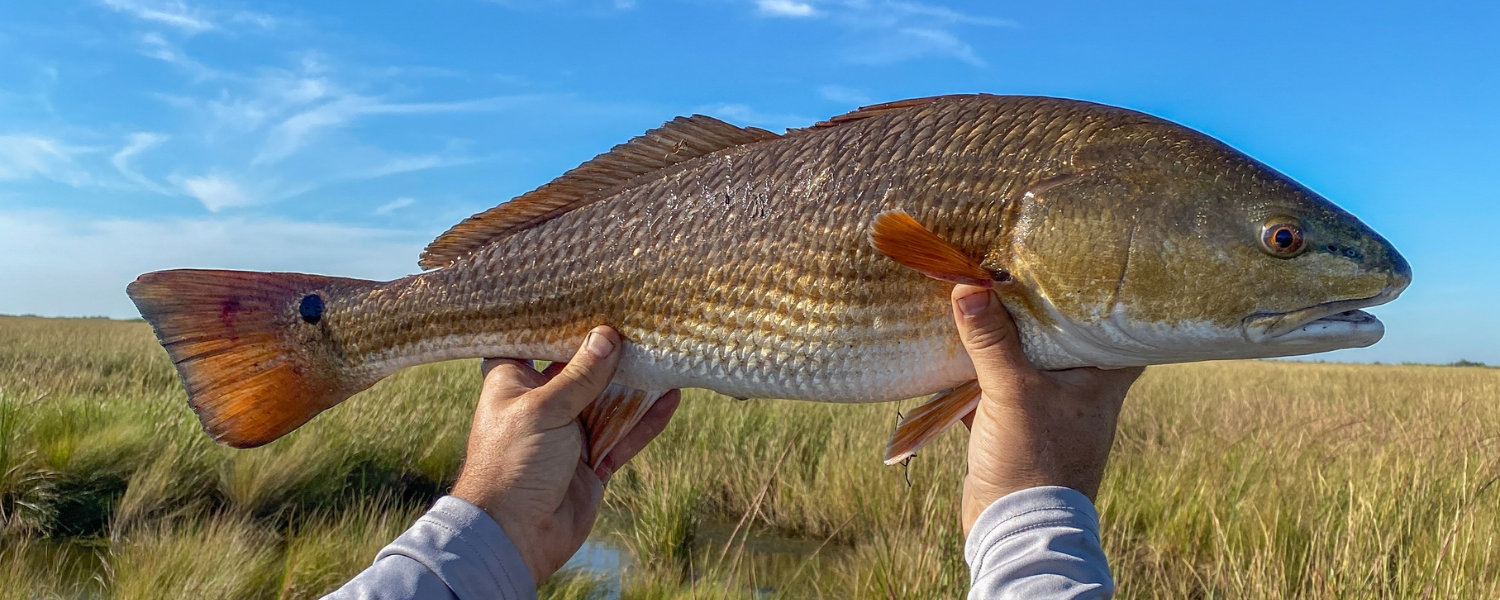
1038 543
455 551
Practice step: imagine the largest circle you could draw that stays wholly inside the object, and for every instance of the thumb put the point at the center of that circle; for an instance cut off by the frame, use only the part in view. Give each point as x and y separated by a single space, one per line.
989 335
585 376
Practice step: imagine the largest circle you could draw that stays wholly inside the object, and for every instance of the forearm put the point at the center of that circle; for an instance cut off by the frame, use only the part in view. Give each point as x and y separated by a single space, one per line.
1038 543
455 551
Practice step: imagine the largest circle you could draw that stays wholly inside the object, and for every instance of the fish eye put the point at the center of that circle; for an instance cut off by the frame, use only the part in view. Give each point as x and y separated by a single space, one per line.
1281 237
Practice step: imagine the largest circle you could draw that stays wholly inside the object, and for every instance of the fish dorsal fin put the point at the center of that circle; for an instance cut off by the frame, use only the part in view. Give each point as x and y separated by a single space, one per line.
876 110
679 140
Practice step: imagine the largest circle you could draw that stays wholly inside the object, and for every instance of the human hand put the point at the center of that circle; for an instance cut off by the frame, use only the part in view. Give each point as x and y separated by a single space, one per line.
527 457
1032 428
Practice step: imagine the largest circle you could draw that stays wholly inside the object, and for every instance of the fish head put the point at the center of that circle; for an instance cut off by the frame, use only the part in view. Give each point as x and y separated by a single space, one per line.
1165 245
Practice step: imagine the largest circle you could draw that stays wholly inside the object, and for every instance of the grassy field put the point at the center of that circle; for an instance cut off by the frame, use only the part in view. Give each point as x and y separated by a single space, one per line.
1229 480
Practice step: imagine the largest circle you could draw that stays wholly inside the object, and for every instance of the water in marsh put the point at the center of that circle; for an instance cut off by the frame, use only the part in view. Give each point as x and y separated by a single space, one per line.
766 562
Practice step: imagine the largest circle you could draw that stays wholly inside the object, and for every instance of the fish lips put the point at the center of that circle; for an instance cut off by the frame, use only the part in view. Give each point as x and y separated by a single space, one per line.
1338 322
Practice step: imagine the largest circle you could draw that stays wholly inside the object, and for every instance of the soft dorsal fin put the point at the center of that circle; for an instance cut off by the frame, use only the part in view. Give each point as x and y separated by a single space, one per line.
680 139
875 110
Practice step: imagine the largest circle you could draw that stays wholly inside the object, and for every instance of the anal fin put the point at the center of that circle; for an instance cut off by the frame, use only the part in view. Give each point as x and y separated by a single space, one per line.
924 423
611 416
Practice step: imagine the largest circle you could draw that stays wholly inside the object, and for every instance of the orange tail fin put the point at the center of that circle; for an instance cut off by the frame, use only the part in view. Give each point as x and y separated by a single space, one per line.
250 347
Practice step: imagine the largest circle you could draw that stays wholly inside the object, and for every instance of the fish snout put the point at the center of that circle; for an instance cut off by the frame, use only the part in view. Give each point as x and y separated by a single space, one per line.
1399 274
1377 260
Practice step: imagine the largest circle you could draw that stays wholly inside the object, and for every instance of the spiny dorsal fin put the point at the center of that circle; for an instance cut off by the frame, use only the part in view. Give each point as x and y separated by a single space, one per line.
680 139
875 110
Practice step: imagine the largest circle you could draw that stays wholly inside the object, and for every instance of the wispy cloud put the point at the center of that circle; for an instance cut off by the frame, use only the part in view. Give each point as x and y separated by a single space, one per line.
394 206
744 114
28 156
260 20
843 95
135 145
905 44
192 20
289 136
157 47
98 257
406 164
591 7
172 13
889 31
900 11
265 134
785 8
216 192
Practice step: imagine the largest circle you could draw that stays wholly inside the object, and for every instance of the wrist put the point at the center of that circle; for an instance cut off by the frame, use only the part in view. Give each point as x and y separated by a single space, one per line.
476 495
980 492
490 503
978 495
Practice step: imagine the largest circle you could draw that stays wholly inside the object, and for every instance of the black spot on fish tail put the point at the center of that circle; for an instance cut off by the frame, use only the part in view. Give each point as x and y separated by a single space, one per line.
311 308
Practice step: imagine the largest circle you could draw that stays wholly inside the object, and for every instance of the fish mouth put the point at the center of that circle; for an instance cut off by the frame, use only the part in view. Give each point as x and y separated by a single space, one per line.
1337 321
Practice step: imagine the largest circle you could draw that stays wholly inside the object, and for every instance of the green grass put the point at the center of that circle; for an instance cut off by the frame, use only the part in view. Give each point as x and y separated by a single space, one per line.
1229 480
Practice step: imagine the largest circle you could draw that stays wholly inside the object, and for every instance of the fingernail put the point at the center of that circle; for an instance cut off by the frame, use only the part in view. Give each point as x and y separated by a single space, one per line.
975 303
599 344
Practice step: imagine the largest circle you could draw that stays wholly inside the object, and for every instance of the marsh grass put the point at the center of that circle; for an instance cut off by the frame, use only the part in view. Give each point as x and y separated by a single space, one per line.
1229 480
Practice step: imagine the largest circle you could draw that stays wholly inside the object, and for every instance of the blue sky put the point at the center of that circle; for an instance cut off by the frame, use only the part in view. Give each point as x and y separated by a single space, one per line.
340 137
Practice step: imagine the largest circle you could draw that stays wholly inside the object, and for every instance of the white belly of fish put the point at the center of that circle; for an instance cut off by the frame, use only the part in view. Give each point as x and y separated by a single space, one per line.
869 373
829 371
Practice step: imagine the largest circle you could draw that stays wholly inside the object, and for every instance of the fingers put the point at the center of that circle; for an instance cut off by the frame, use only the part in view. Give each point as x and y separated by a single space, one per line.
585 376
553 369
651 424
1106 382
989 335
489 364
1127 375
1118 381
508 377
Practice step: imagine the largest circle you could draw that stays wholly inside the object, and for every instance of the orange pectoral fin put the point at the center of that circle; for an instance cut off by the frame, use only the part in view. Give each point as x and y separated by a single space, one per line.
612 415
932 418
901 238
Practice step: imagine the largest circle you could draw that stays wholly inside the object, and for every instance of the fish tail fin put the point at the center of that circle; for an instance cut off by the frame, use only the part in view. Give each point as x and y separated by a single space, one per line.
252 348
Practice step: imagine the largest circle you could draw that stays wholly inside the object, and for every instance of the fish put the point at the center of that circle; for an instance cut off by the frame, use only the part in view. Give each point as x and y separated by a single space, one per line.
816 265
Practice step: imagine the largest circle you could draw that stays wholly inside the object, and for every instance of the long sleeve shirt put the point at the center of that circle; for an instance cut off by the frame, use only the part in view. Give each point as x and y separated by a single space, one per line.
454 551
1035 543
1038 543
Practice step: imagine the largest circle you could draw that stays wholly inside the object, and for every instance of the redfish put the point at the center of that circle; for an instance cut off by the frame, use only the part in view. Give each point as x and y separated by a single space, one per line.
816 265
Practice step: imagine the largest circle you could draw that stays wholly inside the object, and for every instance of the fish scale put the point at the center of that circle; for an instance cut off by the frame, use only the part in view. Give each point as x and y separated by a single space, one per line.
814 265
781 261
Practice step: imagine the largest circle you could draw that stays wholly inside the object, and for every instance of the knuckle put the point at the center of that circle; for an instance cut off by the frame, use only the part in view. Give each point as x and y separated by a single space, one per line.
989 335
578 375
509 373
529 405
